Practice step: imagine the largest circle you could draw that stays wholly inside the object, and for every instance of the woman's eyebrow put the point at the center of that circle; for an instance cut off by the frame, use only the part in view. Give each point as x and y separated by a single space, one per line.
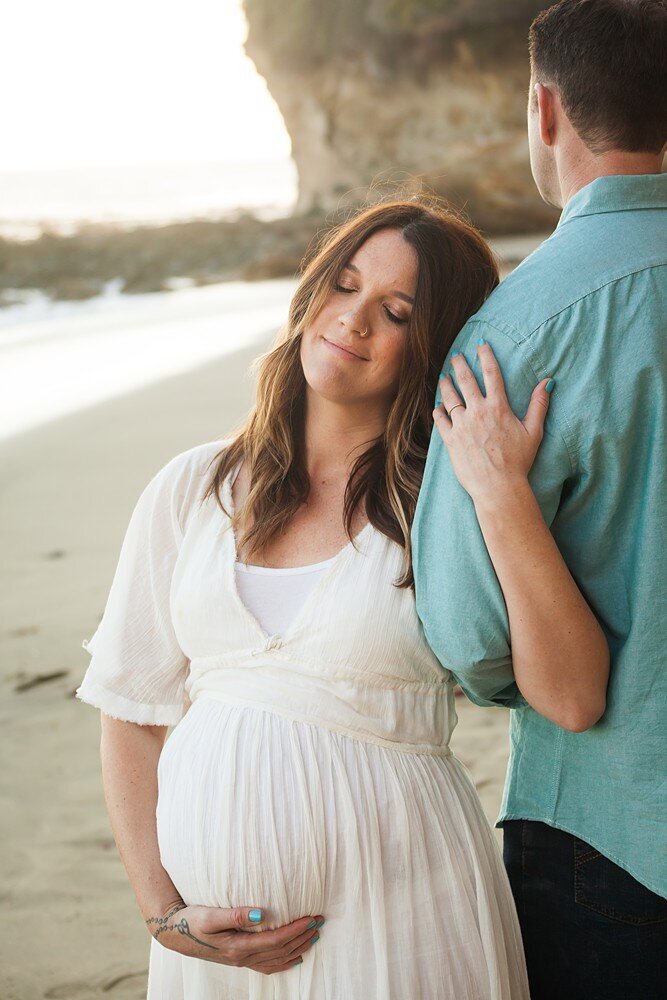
399 295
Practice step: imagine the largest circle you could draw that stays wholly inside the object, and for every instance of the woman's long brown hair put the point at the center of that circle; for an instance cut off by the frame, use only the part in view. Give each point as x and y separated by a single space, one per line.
457 272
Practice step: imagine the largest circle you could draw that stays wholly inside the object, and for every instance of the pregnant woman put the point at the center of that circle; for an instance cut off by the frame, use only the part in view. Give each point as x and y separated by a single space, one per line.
305 832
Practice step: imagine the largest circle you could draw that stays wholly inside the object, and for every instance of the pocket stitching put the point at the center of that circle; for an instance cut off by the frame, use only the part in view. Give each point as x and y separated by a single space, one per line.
581 898
589 856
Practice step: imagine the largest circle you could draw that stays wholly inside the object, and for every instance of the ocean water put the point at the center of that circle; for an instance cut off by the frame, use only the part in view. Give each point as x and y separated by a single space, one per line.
61 200
62 357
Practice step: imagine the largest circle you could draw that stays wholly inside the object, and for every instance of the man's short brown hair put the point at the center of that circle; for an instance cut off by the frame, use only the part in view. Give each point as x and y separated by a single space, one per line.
607 60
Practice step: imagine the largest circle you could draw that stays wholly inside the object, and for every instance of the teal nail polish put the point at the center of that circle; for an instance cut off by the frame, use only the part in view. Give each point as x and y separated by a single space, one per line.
313 923
320 922
299 961
442 375
550 384
255 916
456 354
481 341
314 938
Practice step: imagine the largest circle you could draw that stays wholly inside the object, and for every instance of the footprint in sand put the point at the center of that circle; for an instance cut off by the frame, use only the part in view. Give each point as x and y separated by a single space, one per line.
37 679
19 633
124 986
72 991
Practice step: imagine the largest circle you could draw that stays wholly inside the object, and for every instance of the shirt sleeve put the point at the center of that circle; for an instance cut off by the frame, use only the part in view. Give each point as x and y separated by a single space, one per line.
138 670
459 598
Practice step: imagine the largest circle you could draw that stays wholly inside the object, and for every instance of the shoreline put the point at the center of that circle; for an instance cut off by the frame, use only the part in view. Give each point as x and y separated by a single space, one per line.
99 258
64 359
60 357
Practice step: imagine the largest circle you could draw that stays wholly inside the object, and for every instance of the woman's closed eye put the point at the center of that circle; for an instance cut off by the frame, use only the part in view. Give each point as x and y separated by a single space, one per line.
399 320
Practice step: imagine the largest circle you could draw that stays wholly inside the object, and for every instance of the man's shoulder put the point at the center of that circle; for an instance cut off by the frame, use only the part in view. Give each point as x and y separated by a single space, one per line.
569 270
566 312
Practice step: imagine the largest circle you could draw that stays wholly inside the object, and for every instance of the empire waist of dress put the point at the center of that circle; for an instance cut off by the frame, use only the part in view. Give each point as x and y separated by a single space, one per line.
402 715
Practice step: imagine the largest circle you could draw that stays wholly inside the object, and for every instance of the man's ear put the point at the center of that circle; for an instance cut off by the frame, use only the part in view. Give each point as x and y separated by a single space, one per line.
546 112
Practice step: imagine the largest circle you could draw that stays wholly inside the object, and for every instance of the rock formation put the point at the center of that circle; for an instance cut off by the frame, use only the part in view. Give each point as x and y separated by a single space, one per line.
393 91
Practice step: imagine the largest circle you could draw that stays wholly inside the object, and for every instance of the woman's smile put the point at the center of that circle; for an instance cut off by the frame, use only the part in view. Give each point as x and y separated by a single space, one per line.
343 352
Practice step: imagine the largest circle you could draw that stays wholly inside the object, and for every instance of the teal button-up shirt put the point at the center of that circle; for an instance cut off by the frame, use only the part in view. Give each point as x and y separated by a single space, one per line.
587 307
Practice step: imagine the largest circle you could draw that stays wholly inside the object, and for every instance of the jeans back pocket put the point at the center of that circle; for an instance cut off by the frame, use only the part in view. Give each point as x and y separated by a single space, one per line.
604 887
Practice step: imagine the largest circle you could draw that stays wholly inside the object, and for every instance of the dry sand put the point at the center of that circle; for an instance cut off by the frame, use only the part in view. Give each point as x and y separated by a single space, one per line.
70 927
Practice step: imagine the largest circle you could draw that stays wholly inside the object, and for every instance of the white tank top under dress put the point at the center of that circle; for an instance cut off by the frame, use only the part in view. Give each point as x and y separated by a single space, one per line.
273 596
309 769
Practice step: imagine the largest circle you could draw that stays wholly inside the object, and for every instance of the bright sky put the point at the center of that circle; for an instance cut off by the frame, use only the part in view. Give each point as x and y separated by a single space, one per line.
120 82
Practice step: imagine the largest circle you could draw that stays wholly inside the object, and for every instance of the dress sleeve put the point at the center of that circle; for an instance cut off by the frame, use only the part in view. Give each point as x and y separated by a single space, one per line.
137 671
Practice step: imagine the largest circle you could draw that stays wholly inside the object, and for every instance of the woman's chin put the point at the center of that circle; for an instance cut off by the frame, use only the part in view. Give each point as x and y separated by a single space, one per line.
332 385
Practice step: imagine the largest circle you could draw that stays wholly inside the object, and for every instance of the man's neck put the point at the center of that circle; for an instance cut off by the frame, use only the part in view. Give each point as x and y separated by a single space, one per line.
579 170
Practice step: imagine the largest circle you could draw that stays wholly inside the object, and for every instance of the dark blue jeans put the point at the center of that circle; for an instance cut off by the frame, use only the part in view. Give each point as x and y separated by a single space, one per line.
590 930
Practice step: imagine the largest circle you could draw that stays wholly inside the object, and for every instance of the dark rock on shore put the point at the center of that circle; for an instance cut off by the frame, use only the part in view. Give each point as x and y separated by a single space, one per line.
148 259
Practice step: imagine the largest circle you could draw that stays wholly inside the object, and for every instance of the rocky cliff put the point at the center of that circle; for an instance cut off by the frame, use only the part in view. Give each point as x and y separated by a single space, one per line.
402 91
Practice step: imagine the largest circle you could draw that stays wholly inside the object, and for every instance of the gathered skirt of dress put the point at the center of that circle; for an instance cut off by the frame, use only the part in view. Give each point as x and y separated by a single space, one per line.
257 809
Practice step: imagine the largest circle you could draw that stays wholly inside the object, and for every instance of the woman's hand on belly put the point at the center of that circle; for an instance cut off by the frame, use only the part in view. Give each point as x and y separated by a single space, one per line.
222 936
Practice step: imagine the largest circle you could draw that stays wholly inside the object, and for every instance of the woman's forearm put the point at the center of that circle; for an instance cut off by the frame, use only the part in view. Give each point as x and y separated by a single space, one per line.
130 756
559 652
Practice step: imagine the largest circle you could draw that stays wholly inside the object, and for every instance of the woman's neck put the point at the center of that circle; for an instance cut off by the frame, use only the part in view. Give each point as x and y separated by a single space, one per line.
335 435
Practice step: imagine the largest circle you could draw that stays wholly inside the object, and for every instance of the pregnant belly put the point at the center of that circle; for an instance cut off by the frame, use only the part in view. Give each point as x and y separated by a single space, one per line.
241 816
255 809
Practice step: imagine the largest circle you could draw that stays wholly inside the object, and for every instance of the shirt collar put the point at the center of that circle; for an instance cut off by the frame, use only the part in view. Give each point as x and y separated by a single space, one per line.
617 193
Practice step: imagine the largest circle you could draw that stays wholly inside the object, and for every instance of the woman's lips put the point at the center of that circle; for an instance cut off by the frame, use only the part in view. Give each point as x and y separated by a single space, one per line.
341 351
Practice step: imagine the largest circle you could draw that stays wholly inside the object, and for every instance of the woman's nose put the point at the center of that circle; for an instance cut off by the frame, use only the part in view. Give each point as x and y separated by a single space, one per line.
354 320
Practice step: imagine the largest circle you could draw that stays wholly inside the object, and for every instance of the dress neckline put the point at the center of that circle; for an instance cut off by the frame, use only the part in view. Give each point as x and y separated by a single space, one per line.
330 568
282 570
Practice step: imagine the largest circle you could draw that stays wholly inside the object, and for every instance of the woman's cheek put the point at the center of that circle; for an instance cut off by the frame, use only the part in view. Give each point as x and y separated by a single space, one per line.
393 361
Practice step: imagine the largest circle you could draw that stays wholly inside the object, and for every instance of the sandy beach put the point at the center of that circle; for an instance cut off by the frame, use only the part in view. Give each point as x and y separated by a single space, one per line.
70 927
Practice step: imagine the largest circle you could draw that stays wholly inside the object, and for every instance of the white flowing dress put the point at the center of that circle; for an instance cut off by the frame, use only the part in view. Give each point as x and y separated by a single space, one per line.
308 772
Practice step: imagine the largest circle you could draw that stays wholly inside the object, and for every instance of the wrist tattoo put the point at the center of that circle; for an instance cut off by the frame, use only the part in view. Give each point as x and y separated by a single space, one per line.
165 923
